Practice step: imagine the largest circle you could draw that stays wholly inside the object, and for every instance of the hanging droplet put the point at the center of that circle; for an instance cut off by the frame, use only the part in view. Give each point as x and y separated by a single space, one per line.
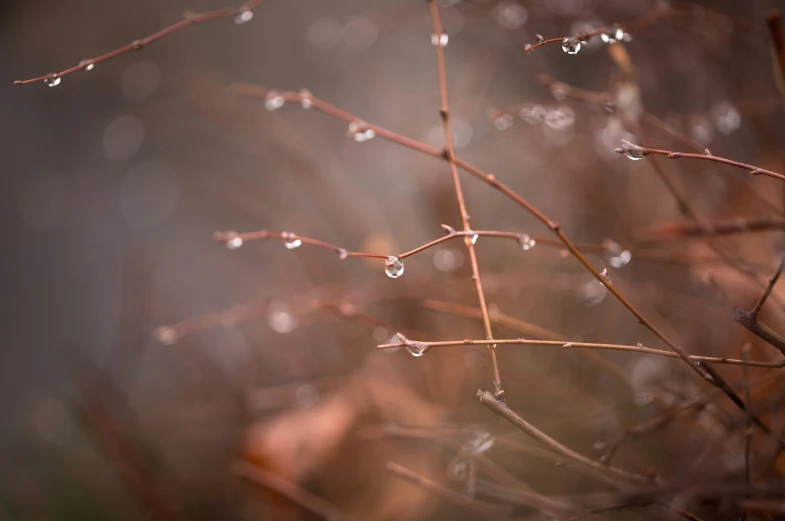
568 345
481 442
274 100
415 349
533 115
726 117
87 65
503 121
53 80
291 241
617 257
571 45
306 99
233 240
166 335
360 131
631 151
605 277
342 254
243 17
474 238
440 40
526 241
280 318
614 35
393 267
540 38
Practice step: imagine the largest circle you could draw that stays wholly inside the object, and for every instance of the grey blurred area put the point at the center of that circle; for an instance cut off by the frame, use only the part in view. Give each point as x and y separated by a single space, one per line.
114 181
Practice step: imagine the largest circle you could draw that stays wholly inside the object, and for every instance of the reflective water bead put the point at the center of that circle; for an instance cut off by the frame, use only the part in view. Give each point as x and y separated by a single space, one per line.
474 238
291 241
571 45
726 117
622 259
458 469
393 267
53 80
415 349
440 40
342 254
612 36
503 121
233 240
87 64
280 318
274 100
630 151
533 115
166 335
526 242
243 17
306 99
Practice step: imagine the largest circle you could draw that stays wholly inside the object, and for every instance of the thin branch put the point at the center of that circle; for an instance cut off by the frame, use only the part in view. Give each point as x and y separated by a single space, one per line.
749 319
769 288
234 239
420 481
190 19
449 153
709 228
490 179
753 170
582 345
616 475
288 489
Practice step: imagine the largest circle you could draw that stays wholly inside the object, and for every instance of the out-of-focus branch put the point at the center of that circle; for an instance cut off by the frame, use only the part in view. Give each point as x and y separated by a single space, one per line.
749 319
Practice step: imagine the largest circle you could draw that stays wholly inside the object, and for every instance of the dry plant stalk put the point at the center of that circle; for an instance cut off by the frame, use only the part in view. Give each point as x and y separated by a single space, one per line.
636 489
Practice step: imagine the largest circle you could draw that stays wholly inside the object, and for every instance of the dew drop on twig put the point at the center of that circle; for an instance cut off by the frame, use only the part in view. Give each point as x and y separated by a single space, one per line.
274 100
526 242
393 267
440 40
52 80
571 45
243 17
291 241
233 240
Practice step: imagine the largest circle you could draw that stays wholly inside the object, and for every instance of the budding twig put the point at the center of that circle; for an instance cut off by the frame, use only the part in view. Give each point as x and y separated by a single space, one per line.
190 19
585 345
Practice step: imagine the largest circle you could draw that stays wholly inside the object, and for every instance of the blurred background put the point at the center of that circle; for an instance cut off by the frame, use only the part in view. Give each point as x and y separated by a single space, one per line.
141 360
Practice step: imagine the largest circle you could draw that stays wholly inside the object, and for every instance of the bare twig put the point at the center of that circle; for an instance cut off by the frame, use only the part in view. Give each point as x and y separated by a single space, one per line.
611 473
288 489
630 149
712 228
585 345
190 19
749 319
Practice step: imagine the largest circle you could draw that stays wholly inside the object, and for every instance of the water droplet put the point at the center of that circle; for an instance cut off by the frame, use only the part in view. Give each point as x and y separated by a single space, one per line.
306 99
533 115
342 254
232 240
560 118
474 238
166 335
614 35
291 241
415 349
605 276
53 80
617 257
280 318
726 117
503 121
540 38
274 100
243 17
87 64
360 131
457 469
393 267
633 152
701 129
380 334
440 39
526 242
481 442
571 45
568 345
594 292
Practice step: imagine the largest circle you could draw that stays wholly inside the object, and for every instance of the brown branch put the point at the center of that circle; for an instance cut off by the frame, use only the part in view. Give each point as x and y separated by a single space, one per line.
582 345
191 19
449 154
714 227
630 149
490 179
420 481
288 489
749 319
612 473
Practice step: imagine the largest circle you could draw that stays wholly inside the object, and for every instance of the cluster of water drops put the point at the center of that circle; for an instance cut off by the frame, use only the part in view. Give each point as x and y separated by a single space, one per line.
440 39
360 131
558 118
526 241
291 241
274 100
